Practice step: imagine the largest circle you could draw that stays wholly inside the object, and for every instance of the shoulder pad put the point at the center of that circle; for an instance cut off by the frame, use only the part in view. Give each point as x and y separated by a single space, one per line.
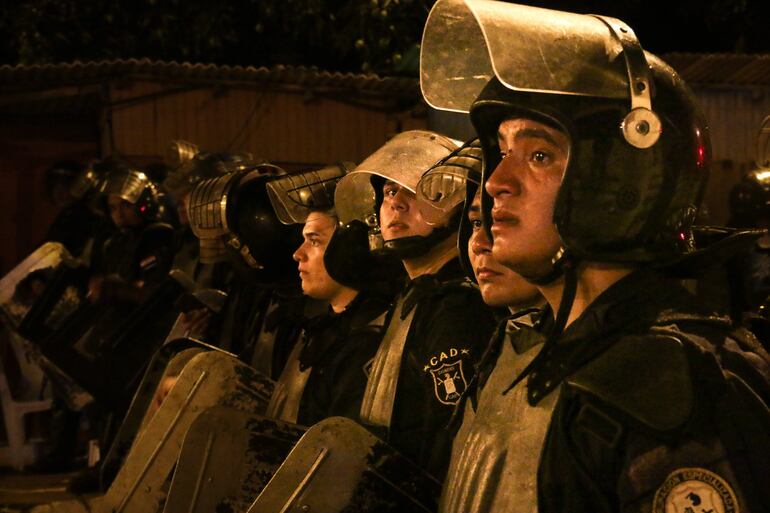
646 377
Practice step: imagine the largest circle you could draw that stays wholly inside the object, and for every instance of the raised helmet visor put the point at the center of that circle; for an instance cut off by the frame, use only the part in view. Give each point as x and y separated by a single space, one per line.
402 160
468 42
295 195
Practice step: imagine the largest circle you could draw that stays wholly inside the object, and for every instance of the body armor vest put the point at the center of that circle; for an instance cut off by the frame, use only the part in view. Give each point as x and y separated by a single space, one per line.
286 399
496 452
380 395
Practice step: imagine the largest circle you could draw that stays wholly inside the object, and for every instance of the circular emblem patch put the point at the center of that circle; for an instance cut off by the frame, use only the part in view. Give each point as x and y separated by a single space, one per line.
695 490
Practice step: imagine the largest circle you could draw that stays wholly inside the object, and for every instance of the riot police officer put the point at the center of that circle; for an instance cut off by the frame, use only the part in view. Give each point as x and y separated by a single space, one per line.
594 163
70 186
328 369
440 324
139 253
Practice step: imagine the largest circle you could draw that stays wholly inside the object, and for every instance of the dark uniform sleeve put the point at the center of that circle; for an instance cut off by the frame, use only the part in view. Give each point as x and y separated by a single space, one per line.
336 387
677 436
448 335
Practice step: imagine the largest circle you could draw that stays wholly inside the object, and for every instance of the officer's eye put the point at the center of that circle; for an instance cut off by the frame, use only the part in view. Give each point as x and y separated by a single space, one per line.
540 156
476 224
390 191
314 242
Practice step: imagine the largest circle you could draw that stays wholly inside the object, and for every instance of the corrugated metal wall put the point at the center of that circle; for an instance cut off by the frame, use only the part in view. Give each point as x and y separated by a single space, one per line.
734 116
282 127
27 149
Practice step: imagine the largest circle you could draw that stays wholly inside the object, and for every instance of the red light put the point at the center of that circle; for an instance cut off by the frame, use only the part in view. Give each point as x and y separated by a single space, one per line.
682 235
142 208
701 155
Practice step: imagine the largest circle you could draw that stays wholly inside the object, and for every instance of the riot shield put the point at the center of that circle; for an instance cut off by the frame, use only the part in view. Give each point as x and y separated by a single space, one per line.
24 284
338 466
179 351
249 446
209 379
106 349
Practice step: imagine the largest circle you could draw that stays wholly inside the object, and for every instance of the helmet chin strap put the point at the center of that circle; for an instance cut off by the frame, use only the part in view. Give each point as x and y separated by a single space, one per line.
558 262
416 245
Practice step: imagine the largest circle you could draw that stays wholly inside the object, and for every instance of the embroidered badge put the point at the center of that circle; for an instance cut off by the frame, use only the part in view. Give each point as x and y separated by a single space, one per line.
695 490
449 382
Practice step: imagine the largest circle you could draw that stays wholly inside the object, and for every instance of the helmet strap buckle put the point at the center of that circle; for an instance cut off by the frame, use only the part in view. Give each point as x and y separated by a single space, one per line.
641 127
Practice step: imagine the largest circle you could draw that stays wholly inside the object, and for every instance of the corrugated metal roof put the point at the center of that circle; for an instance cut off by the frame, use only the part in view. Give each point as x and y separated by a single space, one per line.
729 69
711 69
24 77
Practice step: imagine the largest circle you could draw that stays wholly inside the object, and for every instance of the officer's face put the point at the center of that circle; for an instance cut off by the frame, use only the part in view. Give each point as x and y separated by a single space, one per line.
399 214
499 285
524 187
316 282
122 213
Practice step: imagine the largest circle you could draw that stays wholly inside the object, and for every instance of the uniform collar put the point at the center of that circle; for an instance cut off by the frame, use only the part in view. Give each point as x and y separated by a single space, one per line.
632 304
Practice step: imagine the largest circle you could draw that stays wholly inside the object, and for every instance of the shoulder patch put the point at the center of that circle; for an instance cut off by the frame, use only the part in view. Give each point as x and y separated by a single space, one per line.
646 377
695 490
449 382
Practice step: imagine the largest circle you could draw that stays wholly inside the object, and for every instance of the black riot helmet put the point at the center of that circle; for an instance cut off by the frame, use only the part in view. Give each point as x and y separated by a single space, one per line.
295 196
750 200
639 147
452 181
233 218
402 160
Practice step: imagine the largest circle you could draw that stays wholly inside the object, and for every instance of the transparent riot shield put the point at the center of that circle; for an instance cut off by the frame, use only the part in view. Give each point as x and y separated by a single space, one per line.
339 466
210 378
106 349
251 447
18 291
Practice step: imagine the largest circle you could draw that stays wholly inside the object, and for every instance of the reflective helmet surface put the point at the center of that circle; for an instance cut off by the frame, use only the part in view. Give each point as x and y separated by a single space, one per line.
295 195
135 187
451 181
233 218
403 160
191 169
639 146
88 181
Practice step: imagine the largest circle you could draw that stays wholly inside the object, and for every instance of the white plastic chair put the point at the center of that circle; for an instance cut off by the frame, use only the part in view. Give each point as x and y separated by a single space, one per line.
20 451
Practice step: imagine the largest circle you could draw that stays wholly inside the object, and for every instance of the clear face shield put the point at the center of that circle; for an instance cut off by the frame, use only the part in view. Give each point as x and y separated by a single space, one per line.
443 187
402 160
466 43
294 196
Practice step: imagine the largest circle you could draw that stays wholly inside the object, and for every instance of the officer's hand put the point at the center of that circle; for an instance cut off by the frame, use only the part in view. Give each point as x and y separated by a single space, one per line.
164 388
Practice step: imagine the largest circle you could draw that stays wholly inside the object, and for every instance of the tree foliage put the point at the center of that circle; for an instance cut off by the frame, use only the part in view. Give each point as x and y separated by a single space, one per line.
347 35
